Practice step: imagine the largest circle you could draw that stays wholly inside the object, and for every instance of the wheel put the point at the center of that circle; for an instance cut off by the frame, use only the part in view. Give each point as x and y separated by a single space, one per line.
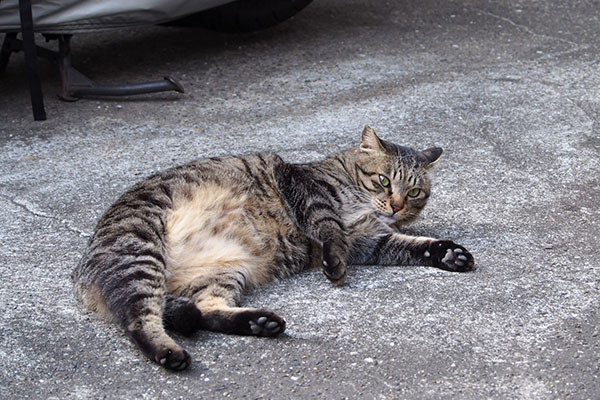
244 15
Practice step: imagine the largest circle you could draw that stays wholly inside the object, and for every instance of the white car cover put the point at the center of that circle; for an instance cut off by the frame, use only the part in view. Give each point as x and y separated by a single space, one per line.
70 16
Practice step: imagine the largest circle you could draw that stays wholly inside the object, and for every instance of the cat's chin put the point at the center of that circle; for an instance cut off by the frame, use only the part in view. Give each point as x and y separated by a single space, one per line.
387 219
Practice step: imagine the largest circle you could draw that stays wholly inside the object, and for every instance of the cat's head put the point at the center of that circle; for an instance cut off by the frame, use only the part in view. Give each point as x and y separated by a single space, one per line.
396 178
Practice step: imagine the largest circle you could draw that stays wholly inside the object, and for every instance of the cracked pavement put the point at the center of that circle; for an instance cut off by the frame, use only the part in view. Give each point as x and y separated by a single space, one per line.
509 89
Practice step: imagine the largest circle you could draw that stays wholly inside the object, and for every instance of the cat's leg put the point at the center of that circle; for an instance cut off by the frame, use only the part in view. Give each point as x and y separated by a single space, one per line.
400 249
220 316
136 298
315 204
217 294
123 273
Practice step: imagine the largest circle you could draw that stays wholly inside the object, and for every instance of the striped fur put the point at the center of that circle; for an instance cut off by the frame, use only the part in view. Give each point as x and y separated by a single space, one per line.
177 251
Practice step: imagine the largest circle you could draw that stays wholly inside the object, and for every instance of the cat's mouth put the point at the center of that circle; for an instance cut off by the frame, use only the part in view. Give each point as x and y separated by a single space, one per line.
387 219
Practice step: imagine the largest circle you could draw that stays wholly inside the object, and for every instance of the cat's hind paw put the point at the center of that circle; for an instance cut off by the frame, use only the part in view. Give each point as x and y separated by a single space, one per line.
264 326
259 323
161 349
447 255
176 359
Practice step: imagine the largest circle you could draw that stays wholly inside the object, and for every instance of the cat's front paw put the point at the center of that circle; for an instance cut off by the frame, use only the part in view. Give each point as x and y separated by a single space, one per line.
334 262
446 254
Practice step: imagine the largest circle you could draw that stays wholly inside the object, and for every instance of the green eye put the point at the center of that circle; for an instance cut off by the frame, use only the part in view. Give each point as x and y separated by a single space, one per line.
384 180
414 192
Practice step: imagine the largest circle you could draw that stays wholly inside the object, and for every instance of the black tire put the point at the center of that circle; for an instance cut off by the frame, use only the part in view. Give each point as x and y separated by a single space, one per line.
244 15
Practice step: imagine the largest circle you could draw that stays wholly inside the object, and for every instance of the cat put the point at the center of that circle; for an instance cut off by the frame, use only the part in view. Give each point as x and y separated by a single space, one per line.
176 251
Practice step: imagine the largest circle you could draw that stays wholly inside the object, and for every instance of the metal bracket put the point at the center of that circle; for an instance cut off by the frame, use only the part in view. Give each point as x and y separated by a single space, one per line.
75 85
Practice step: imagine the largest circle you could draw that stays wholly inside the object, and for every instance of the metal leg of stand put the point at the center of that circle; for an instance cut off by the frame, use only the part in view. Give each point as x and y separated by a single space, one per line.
33 72
6 51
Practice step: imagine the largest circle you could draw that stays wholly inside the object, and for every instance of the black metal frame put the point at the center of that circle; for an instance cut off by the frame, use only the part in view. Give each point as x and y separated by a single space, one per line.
75 85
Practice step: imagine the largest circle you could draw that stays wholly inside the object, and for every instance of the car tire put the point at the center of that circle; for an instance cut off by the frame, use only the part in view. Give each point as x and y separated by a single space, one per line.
244 15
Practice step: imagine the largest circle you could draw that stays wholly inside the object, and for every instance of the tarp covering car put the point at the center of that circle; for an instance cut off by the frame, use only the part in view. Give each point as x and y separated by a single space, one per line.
62 16
60 19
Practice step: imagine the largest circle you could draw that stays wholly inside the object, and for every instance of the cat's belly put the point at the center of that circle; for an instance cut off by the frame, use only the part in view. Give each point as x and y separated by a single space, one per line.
216 229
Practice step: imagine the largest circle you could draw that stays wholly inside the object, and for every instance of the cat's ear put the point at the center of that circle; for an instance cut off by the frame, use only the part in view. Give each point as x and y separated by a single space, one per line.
369 141
432 156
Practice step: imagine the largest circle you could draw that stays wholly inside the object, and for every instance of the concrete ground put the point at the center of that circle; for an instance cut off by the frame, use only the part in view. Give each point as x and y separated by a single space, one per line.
510 90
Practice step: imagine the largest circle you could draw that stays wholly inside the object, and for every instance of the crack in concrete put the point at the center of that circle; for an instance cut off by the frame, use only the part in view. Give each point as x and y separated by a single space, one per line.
575 46
30 209
587 113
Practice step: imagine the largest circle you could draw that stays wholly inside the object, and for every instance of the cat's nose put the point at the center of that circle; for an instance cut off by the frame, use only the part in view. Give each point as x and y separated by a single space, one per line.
397 207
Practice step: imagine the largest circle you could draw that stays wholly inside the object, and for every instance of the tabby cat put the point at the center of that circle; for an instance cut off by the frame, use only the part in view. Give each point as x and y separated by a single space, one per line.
176 251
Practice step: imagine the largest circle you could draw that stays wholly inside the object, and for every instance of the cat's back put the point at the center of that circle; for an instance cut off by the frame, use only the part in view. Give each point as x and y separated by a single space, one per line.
245 172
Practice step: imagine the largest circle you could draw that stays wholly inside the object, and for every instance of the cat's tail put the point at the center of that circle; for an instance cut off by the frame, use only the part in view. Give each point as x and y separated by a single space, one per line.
180 314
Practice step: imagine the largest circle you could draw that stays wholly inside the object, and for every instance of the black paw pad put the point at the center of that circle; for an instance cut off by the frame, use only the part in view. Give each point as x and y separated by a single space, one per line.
175 359
261 323
450 256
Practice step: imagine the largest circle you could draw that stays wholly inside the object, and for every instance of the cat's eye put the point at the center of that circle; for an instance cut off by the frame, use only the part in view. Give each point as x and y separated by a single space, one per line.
384 180
414 192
